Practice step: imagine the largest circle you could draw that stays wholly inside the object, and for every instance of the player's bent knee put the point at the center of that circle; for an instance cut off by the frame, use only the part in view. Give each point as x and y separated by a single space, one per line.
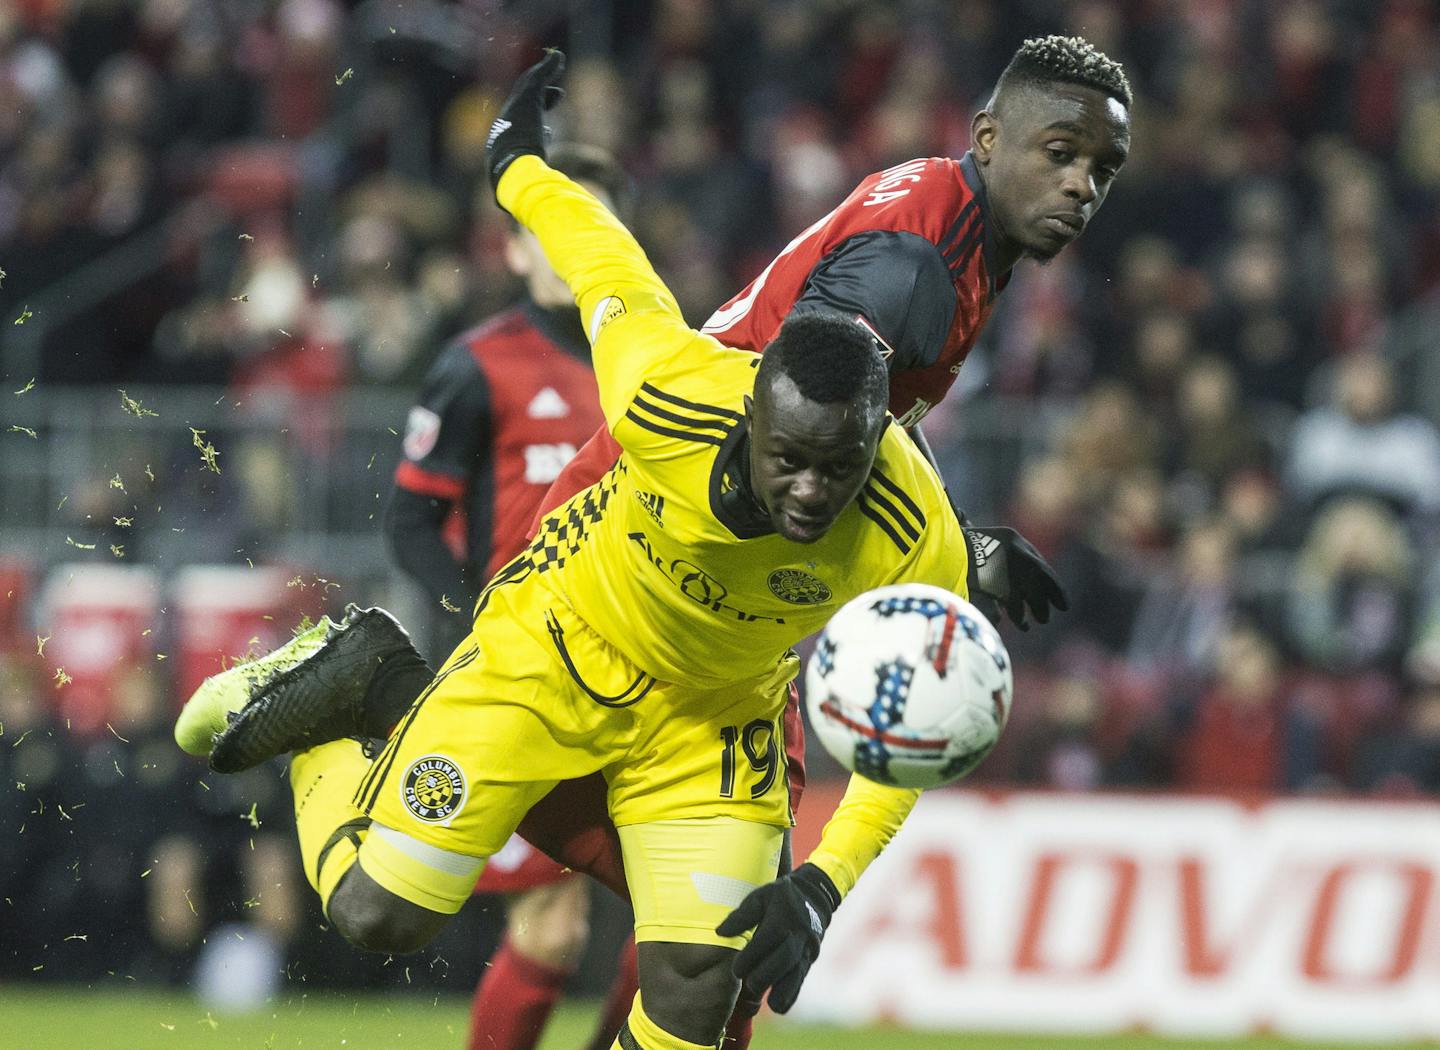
371 917
688 989
551 924
399 891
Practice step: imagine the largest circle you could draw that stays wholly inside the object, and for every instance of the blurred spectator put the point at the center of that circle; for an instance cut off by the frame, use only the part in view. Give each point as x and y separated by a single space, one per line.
1405 759
1059 749
1241 736
34 763
1214 435
1360 444
1187 609
1353 596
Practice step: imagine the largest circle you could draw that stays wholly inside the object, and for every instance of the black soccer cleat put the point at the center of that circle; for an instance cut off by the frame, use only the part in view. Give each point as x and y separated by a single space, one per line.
317 699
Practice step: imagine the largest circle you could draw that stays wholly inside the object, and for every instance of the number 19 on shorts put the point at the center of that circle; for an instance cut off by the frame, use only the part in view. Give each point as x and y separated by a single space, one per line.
758 740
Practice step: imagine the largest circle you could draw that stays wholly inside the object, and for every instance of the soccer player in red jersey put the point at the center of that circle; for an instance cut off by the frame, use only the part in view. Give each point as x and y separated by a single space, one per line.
501 411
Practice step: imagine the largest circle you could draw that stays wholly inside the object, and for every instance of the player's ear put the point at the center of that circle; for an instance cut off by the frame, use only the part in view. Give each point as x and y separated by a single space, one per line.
749 408
983 130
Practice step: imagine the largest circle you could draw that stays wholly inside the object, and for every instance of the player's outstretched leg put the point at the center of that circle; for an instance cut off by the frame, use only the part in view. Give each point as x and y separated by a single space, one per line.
546 928
310 691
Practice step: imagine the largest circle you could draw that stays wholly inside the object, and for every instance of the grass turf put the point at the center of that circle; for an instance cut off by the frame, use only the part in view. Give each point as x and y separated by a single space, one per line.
55 1018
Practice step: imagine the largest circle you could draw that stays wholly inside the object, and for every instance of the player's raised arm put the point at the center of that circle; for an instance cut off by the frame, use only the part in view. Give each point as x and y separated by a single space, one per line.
591 250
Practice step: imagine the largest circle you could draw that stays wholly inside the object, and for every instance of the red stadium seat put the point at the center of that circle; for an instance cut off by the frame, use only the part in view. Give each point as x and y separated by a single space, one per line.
224 612
101 622
17 586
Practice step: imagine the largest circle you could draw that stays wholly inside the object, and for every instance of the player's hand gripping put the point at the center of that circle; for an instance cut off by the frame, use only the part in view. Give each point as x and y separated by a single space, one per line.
520 127
1006 567
789 917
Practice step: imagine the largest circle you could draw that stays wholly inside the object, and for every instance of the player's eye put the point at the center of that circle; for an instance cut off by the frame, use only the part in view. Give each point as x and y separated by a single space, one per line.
1059 155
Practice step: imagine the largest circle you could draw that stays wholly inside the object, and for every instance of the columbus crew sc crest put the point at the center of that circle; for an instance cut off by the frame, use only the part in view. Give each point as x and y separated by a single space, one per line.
433 789
798 588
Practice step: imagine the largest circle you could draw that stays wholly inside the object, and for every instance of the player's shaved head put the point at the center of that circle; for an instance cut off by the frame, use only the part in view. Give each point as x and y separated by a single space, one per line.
815 422
829 359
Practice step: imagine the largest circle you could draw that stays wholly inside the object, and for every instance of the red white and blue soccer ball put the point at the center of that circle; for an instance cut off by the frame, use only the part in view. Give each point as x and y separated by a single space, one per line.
909 685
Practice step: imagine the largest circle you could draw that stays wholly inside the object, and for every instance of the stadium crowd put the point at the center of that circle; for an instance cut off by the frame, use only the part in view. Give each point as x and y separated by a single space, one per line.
1230 390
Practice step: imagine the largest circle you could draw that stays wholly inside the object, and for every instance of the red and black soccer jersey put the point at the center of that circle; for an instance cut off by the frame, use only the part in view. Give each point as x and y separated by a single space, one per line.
500 413
908 255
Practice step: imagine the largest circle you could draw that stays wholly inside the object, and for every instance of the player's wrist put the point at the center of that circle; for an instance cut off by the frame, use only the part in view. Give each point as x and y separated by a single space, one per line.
819 885
821 866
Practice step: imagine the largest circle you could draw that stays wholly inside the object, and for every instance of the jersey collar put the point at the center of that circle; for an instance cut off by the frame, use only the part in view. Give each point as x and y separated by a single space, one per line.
971 170
731 500
562 327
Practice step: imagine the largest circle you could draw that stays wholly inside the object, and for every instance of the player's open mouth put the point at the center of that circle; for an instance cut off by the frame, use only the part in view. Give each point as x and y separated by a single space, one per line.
805 528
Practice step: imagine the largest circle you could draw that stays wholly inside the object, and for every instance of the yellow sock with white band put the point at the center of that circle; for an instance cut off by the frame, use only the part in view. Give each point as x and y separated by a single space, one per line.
640 1033
686 875
423 874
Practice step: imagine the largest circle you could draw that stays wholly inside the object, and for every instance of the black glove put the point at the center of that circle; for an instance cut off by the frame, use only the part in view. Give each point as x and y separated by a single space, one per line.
520 127
789 917
1006 567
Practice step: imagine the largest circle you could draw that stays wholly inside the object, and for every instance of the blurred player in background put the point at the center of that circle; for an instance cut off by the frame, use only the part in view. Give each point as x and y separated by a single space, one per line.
500 412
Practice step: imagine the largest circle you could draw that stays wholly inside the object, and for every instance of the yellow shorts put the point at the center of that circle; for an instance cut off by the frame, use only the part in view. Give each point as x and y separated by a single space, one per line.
534 696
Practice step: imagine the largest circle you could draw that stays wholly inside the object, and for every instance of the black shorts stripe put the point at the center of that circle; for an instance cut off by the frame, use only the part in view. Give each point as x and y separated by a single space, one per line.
883 503
625 698
683 435
694 406
900 494
368 791
965 221
884 523
685 421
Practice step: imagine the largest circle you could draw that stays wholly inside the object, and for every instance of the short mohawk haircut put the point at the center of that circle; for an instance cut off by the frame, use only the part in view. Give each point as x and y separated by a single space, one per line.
828 357
1066 60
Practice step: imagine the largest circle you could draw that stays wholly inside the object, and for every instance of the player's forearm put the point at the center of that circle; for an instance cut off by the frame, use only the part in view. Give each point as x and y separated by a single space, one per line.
863 824
587 246
412 527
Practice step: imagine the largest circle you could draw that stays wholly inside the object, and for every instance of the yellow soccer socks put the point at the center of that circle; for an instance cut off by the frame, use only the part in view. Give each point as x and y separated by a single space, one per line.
640 1033
330 825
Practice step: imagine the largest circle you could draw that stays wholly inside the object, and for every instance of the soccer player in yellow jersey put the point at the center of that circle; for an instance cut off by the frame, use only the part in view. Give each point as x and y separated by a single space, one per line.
645 633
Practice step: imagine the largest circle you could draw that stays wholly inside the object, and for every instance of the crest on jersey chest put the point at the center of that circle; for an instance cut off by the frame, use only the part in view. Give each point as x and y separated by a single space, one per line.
798 587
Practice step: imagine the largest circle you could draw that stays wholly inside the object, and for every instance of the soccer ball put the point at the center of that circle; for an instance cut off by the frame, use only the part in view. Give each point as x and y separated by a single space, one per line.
909 685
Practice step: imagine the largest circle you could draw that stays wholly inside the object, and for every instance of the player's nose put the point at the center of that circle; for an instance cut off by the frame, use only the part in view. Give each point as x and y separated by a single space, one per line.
808 490
1079 184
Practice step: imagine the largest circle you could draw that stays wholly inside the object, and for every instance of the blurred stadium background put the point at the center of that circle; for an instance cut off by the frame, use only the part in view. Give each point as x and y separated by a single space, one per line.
234 234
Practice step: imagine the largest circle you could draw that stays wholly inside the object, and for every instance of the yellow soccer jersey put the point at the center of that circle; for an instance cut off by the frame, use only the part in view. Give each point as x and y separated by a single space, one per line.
662 558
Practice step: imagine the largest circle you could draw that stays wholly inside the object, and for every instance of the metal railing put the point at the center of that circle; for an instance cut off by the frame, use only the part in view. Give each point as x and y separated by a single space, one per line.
292 477
174 475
